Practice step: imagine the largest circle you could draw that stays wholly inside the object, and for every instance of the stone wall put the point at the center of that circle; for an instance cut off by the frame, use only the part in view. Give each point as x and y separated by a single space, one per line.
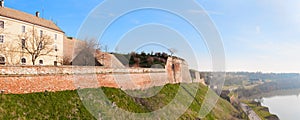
7 71
29 79
30 84
178 71
197 77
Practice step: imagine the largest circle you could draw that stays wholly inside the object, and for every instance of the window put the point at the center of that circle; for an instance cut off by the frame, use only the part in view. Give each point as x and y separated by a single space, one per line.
41 62
41 33
2 60
1 24
23 61
40 46
55 36
1 38
55 63
23 29
23 43
55 48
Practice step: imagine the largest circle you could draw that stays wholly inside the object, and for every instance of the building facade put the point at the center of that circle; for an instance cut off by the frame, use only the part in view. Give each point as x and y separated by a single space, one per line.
27 39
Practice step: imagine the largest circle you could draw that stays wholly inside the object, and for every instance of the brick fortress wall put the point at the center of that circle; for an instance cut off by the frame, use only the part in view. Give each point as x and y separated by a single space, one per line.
30 79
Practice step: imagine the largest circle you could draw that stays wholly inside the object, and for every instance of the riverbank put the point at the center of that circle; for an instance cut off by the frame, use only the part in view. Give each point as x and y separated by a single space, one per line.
262 111
266 111
254 110
277 93
249 111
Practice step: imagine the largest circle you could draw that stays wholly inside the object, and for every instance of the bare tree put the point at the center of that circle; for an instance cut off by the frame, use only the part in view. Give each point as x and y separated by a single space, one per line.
36 44
86 55
11 51
172 51
66 60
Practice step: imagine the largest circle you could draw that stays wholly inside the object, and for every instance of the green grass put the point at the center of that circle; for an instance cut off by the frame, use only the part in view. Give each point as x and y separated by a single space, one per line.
58 105
67 104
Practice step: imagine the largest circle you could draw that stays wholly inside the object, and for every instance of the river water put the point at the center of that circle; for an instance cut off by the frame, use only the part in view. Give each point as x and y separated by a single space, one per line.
285 107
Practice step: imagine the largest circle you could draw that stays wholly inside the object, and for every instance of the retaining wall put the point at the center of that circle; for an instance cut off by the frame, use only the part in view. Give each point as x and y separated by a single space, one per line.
29 79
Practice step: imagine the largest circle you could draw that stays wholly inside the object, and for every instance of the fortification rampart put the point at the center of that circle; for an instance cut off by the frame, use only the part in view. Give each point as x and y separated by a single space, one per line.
29 79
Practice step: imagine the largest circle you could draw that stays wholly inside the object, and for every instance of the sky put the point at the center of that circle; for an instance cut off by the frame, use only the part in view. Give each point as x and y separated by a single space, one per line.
258 35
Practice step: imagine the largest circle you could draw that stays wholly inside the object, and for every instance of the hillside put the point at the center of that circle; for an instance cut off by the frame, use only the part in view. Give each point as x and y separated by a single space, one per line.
67 104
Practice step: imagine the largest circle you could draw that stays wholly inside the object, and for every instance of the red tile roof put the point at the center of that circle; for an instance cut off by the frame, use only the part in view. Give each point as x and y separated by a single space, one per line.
25 17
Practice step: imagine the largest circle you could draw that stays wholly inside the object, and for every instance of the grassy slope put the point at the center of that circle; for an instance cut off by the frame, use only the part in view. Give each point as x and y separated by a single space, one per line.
67 105
59 105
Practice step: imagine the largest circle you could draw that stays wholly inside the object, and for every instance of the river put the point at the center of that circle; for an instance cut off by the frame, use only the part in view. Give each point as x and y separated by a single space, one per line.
286 107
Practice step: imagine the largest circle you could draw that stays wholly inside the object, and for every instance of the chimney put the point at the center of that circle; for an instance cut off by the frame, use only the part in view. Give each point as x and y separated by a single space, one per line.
2 3
37 14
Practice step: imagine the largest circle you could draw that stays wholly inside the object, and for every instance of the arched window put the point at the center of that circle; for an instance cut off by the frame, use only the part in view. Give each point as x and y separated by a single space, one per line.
41 62
23 61
55 47
2 60
55 63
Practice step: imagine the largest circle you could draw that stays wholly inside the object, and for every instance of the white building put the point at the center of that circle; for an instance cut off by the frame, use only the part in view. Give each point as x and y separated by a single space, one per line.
19 30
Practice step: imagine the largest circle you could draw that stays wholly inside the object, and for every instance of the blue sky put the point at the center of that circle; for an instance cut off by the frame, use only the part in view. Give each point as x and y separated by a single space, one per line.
258 35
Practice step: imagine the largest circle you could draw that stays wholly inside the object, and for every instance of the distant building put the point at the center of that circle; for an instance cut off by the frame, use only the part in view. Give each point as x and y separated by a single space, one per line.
72 47
14 24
